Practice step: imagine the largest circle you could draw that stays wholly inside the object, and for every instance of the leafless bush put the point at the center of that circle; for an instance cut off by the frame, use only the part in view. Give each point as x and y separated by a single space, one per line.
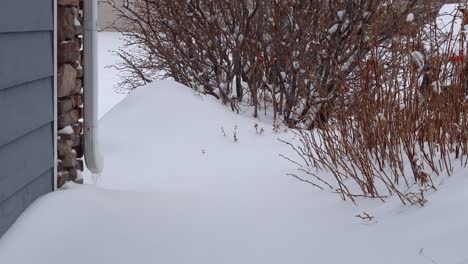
373 76
292 57
406 125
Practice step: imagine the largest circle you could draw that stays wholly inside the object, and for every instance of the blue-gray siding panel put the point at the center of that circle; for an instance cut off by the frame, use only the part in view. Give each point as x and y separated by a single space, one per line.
25 108
25 57
16 204
24 159
26 105
26 15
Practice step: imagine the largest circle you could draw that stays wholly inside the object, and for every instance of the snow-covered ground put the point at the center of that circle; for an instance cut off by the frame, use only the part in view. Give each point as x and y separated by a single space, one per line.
178 188
108 97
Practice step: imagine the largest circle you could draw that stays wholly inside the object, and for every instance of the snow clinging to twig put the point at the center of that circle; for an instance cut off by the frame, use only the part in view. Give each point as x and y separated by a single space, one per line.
410 18
417 58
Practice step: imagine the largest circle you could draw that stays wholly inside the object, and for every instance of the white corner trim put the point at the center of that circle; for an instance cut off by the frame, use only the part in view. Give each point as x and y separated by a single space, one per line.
55 96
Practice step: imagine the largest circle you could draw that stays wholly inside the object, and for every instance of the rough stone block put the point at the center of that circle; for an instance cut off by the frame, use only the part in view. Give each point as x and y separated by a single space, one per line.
77 141
59 165
79 151
80 165
77 114
73 172
78 86
64 146
64 105
69 118
66 80
63 121
79 71
70 137
62 178
77 100
77 128
69 160
68 52
66 21
79 30
75 3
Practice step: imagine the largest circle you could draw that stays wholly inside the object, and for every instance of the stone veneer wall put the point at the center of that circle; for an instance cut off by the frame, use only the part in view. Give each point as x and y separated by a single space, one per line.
70 91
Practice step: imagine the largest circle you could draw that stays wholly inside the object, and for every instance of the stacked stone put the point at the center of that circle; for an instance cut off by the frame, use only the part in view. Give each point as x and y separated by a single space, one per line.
70 91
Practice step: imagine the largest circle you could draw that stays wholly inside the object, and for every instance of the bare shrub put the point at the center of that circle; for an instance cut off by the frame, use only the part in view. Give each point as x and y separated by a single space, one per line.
372 78
292 57
405 126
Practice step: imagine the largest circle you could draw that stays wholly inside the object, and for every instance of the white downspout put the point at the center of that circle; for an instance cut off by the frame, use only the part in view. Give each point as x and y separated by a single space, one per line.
93 158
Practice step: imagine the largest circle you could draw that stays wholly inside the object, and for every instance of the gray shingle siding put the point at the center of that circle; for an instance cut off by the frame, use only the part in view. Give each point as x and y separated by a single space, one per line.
26 15
15 205
26 105
25 57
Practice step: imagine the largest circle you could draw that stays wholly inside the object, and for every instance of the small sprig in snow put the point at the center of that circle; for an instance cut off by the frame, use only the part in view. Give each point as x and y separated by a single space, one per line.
234 135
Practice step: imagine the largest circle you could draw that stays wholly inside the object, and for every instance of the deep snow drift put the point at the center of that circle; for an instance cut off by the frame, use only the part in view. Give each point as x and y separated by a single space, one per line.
177 190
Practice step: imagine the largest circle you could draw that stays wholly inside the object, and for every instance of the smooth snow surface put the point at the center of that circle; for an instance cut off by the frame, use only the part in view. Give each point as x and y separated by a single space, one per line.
182 192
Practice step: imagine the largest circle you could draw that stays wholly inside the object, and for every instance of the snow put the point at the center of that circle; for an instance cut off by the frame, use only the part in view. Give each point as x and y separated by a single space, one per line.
449 18
333 29
417 58
410 18
283 75
188 181
296 65
176 189
348 63
340 15
449 23
76 22
68 130
436 87
108 97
